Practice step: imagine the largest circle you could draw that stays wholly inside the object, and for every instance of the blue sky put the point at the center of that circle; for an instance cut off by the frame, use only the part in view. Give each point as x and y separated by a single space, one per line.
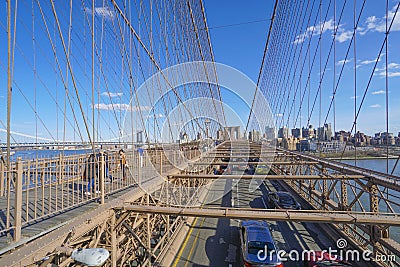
242 47
238 31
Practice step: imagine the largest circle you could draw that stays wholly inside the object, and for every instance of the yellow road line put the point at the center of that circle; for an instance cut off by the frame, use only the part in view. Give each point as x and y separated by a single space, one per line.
185 243
188 236
194 242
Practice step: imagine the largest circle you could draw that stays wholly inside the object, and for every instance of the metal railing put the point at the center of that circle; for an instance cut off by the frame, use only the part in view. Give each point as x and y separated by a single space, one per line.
32 190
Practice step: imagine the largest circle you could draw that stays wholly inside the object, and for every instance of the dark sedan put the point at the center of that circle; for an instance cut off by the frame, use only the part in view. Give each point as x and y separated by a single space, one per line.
323 259
283 200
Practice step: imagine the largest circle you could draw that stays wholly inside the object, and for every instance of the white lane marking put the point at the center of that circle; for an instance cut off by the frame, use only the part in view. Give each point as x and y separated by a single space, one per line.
233 198
237 193
263 201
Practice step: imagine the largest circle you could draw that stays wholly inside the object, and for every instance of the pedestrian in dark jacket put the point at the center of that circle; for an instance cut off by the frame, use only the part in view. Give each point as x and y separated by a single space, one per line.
91 173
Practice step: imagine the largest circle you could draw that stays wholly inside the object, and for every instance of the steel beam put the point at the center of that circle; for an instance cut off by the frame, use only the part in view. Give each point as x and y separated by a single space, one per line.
211 156
382 179
316 216
39 248
255 163
267 177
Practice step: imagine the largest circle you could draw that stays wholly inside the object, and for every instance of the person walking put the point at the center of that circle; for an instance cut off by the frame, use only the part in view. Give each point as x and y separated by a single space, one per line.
122 162
91 173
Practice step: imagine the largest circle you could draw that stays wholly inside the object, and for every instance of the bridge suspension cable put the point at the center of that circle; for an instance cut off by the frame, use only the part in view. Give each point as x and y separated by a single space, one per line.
310 48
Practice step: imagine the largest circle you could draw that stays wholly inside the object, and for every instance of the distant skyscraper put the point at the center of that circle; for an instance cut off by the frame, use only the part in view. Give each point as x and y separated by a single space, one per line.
270 132
283 132
139 137
325 132
254 135
308 132
232 132
297 133
220 135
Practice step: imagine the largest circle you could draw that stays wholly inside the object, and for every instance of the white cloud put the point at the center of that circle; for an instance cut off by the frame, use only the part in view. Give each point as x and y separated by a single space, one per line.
343 36
158 115
392 70
375 24
366 62
279 115
315 30
380 92
343 61
104 12
111 94
394 74
120 107
393 65
375 106
390 74
372 23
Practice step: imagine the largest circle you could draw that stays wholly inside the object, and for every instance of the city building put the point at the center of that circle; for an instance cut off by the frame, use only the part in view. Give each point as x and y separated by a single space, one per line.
361 139
270 133
254 136
220 135
183 138
383 138
325 132
139 137
199 136
330 146
308 132
283 132
303 145
343 136
232 133
297 132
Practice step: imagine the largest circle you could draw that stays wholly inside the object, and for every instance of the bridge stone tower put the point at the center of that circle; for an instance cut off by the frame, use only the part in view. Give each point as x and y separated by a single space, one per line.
232 133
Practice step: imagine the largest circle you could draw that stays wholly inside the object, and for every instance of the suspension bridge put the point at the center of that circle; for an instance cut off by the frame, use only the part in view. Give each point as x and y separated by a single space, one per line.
120 132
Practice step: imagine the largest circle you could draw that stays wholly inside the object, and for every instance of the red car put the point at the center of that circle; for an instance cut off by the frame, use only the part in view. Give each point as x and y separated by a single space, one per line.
323 259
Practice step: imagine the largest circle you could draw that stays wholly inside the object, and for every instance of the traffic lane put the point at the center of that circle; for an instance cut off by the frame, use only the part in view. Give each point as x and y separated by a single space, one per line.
215 242
212 242
287 235
299 236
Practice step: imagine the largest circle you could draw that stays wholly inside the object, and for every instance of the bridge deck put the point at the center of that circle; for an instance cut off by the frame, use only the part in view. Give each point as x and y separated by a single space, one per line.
215 242
60 204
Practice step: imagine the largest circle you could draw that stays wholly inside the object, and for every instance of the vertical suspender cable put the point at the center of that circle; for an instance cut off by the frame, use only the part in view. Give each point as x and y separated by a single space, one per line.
9 93
334 67
387 88
355 83
387 98
262 67
319 134
93 124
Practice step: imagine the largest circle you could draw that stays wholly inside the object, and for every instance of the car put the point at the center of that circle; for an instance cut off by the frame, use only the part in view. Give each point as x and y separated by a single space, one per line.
282 200
323 259
242 167
262 169
254 159
258 246
250 170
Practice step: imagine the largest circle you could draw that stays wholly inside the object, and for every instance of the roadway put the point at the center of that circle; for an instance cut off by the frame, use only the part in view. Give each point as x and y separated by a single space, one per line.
215 242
